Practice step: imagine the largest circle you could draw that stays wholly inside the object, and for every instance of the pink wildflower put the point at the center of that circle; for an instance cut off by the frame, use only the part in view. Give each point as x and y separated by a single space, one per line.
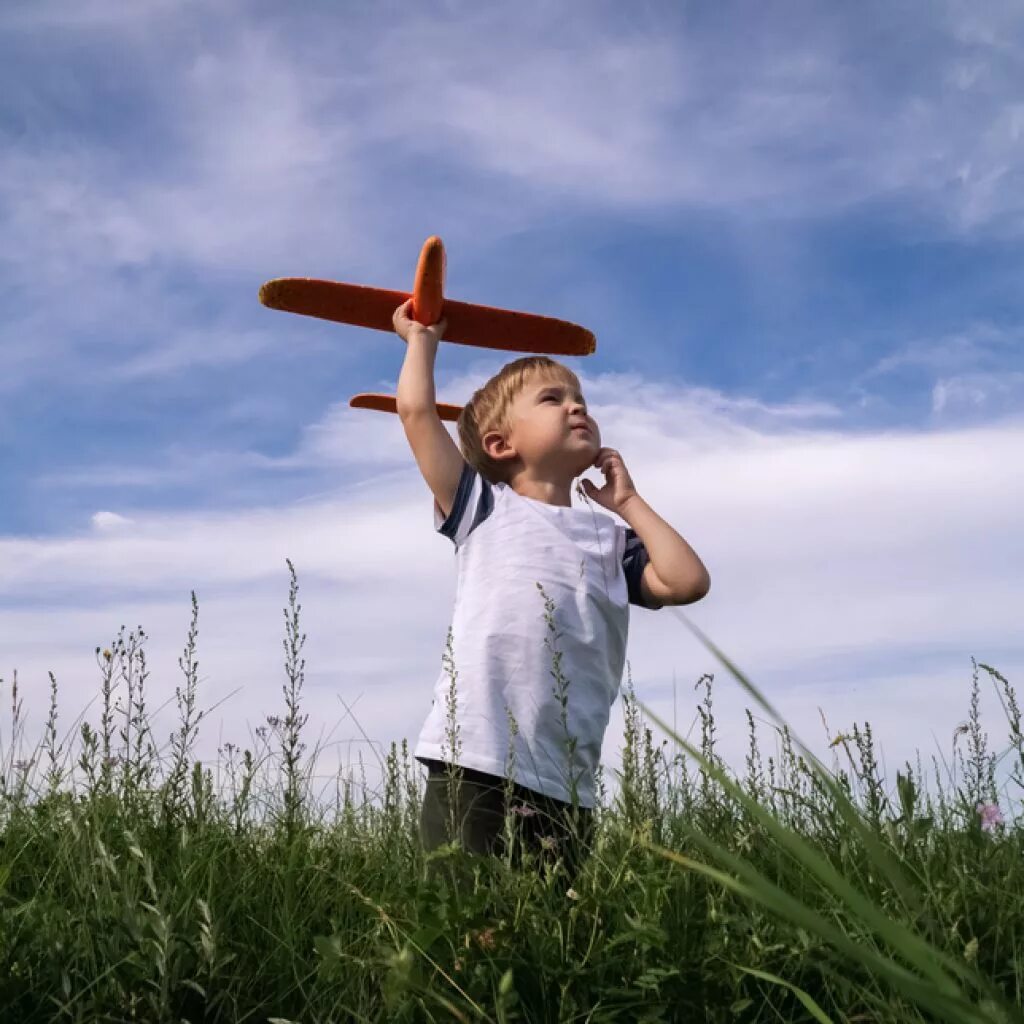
524 811
990 816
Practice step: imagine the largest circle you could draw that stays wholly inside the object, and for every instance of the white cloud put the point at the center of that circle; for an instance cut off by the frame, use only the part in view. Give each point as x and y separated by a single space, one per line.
971 370
352 437
83 15
268 150
287 145
249 146
362 440
105 521
979 391
194 349
977 345
771 123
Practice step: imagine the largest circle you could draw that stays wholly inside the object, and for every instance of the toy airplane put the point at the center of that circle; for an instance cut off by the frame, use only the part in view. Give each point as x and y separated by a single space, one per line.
467 323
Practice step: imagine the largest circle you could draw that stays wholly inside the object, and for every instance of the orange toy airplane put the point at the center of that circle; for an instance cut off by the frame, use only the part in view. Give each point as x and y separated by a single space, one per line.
467 323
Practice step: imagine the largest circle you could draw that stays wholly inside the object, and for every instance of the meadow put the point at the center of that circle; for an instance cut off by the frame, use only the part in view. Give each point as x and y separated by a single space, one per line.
139 884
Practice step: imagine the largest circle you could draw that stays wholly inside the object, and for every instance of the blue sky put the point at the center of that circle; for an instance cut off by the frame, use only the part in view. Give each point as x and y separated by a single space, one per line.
795 233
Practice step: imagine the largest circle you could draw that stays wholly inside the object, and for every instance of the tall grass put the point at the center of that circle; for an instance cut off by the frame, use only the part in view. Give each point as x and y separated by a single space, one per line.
137 883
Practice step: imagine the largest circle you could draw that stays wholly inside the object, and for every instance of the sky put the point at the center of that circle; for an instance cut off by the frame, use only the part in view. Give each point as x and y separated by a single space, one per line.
796 233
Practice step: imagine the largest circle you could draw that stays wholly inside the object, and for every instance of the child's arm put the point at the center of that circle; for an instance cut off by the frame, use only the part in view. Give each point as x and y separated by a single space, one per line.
674 574
436 454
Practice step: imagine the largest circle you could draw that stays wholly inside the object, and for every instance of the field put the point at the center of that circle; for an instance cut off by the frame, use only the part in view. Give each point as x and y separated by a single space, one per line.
137 884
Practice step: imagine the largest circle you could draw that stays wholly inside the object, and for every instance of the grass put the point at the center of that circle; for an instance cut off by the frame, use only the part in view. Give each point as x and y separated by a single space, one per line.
139 884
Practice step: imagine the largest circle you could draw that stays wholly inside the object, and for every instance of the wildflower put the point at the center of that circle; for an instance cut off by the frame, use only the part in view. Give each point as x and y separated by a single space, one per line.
572 894
524 810
485 939
990 816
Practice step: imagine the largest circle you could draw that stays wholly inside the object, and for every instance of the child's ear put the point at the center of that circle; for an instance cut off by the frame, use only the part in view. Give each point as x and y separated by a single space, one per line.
497 447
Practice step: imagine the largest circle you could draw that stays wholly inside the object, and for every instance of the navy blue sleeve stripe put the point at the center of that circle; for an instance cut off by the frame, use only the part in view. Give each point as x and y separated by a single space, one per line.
634 561
473 503
451 525
485 507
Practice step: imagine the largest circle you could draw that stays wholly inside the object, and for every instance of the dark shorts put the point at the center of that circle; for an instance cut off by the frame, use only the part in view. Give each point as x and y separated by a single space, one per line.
549 828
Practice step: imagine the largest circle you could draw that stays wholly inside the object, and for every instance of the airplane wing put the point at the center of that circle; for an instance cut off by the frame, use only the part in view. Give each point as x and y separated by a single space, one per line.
389 403
468 323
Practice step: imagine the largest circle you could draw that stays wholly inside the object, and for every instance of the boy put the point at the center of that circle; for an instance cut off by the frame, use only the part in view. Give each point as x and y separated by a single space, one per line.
530 712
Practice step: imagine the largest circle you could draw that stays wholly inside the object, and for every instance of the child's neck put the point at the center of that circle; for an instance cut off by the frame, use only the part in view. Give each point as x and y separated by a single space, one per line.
551 492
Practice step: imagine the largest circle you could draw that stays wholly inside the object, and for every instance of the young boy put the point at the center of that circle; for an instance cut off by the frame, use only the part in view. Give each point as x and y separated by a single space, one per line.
530 705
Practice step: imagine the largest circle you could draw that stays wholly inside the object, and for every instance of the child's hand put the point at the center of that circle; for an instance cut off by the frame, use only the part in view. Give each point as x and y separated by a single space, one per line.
618 489
406 327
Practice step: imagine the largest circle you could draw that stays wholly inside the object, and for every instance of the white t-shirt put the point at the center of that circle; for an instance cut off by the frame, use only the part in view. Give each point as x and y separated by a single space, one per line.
590 567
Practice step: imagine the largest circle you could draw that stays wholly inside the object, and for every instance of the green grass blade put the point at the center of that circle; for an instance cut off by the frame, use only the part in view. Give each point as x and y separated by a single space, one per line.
811 1006
851 816
953 1008
914 949
907 891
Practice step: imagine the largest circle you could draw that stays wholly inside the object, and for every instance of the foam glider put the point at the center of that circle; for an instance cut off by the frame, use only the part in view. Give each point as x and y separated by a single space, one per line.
467 323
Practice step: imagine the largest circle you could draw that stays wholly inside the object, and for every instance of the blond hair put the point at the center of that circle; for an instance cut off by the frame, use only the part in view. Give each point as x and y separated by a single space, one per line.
491 406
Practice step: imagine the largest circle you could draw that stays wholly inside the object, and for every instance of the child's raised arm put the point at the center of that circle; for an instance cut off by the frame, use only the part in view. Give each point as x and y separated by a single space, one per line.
416 381
436 454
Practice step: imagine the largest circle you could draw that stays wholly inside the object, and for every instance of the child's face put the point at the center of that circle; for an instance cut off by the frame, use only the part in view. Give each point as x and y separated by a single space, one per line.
551 429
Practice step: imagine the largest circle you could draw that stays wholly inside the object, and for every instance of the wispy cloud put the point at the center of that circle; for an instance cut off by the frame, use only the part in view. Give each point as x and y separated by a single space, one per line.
192 349
987 392
261 126
367 443
974 373
289 143
979 345
767 123
106 521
